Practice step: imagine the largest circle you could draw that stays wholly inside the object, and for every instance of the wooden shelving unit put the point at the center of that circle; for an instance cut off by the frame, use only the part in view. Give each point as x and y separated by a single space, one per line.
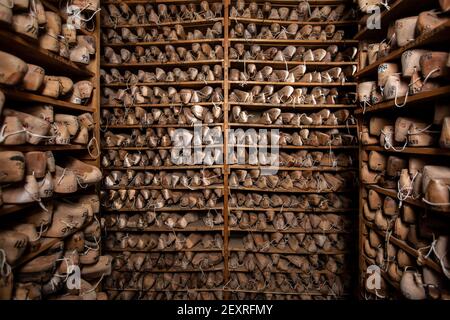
229 233
417 105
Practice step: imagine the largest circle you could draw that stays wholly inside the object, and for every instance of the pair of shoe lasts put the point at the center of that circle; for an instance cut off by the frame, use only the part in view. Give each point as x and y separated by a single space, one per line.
287 220
155 95
292 53
297 74
134 199
206 73
199 52
41 124
169 220
294 180
323 202
183 260
166 179
414 282
303 12
285 95
162 241
294 242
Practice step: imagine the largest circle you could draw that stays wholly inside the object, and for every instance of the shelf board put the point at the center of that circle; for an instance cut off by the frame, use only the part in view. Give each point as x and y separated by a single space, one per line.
302 84
165 105
405 246
287 126
283 2
292 106
162 187
161 43
294 190
287 22
416 100
171 270
412 150
161 126
288 230
174 167
295 42
393 194
291 168
293 293
162 148
163 84
163 290
436 36
44 147
237 245
14 94
126 65
197 248
323 65
31 52
189 228
186 24
165 209
290 147
7 209
398 9
308 210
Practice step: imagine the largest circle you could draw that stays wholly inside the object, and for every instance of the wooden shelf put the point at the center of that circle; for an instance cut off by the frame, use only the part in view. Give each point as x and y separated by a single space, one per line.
162 148
393 194
163 84
165 105
290 147
398 9
404 246
283 2
287 22
435 36
166 209
199 227
197 248
283 64
293 293
7 209
302 84
161 43
294 190
164 290
291 267
412 150
185 24
162 126
292 168
39 147
287 126
415 100
126 65
172 270
308 210
18 95
237 245
174 167
292 106
30 52
161 187
292 42
288 230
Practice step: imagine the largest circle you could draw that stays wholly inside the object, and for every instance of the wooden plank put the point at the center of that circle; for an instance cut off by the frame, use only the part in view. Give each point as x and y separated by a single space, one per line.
162 43
30 52
28 147
308 210
162 126
18 95
411 150
185 84
339 23
199 167
166 209
415 100
292 190
271 229
292 168
164 105
315 64
293 106
186 24
295 42
163 187
158 64
302 84
286 126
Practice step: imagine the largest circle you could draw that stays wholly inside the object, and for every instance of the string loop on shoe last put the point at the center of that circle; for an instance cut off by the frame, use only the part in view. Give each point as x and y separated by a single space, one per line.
93 143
